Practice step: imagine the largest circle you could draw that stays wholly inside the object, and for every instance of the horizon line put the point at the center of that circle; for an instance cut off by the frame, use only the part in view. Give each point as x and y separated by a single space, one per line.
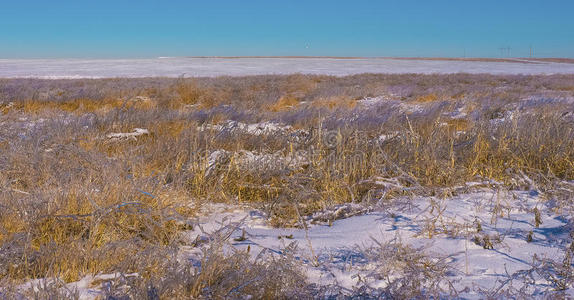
437 58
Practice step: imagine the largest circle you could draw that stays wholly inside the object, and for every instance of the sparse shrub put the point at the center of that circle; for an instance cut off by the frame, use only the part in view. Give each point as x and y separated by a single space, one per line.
409 273
537 218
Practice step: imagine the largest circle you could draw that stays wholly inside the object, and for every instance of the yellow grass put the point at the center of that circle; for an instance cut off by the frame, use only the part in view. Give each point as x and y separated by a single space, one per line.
427 98
284 103
81 105
335 102
91 205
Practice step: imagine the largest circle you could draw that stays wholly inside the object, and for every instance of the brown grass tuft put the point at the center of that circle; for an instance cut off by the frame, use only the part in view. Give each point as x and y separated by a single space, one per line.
335 102
284 103
426 98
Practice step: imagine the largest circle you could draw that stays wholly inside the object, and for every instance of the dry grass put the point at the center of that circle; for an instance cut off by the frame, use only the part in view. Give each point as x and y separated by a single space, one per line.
74 202
428 98
335 102
80 106
284 103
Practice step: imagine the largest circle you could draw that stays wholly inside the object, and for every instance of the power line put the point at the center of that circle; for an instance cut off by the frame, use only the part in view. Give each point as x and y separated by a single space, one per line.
505 50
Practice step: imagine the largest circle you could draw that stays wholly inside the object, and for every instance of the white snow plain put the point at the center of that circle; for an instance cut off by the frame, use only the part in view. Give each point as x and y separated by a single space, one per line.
210 67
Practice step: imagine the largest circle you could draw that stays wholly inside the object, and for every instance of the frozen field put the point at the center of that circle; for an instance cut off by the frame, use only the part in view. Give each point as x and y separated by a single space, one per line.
288 187
345 255
208 67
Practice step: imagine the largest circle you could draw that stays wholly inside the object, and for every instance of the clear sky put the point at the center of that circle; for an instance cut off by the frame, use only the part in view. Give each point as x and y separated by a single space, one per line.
151 28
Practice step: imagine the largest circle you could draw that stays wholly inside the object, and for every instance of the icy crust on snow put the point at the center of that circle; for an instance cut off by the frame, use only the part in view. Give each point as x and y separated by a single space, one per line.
442 228
211 67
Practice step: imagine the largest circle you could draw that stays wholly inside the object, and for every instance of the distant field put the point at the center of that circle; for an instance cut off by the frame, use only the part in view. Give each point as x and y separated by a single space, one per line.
556 60
475 59
240 66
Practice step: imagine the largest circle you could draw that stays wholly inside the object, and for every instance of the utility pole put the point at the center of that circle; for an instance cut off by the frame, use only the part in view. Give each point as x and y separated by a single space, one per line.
530 51
505 50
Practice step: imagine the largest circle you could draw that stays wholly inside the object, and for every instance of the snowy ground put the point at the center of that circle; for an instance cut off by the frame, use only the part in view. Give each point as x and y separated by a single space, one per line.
174 67
491 238
446 229
480 232
338 255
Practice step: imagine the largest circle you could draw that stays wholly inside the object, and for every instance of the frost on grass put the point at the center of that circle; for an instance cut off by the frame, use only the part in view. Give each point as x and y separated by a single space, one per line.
263 128
255 129
470 245
127 135
371 186
253 162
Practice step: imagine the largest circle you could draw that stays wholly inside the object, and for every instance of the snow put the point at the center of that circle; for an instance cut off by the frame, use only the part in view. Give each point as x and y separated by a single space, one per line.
393 101
458 113
263 128
211 67
88 288
253 161
505 217
375 101
389 136
442 228
257 129
127 135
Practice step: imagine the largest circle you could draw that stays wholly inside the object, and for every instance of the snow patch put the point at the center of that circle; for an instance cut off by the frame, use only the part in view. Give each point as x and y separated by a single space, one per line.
452 229
127 135
250 161
263 128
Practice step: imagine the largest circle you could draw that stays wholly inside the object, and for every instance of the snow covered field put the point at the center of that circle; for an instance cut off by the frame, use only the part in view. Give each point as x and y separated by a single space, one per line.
485 241
482 234
369 186
190 67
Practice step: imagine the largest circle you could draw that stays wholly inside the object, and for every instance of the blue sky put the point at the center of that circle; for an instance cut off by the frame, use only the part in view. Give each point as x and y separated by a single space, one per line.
150 28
